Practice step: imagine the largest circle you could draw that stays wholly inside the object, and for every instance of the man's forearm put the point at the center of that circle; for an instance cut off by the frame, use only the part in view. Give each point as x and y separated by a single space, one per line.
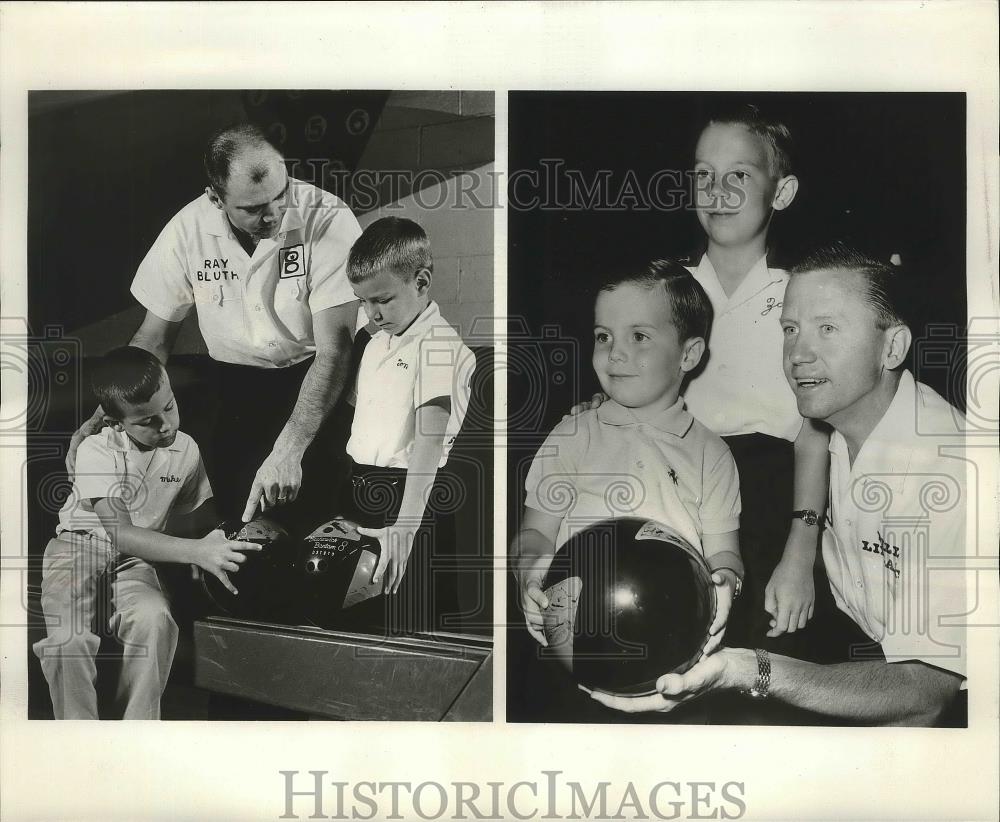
157 345
321 388
874 693
811 488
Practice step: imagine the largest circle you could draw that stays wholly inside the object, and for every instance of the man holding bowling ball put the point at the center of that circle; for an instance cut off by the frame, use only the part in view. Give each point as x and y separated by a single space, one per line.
262 258
640 454
896 531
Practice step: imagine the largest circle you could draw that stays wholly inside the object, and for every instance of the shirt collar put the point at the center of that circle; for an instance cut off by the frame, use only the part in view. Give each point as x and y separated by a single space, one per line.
757 278
120 441
426 320
896 427
674 420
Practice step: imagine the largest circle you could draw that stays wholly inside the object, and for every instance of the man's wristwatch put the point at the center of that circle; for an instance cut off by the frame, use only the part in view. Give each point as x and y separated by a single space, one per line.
807 515
762 684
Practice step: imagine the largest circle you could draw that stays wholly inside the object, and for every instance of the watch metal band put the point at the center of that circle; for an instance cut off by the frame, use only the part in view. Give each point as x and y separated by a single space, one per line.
762 685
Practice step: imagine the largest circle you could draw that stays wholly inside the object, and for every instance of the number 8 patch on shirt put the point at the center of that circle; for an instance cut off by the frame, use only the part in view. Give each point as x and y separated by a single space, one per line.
291 261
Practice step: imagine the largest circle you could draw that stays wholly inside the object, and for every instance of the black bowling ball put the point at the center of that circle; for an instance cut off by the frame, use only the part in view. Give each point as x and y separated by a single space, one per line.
629 601
266 581
336 571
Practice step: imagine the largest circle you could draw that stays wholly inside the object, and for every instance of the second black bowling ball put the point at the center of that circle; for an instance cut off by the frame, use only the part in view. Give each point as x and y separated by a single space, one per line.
336 568
629 600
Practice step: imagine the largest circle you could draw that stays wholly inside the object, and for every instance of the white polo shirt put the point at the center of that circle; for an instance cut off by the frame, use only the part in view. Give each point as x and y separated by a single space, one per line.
153 484
252 310
398 374
742 389
894 552
604 463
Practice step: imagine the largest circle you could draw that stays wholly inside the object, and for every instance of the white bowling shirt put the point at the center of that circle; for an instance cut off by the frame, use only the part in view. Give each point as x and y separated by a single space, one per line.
894 552
153 484
252 310
398 374
742 389
604 463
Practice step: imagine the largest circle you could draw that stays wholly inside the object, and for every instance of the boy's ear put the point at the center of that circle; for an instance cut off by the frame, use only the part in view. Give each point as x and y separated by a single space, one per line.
111 421
897 344
423 280
694 350
213 197
785 192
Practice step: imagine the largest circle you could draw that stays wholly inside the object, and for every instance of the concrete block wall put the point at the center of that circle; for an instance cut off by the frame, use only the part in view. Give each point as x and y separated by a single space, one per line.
461 235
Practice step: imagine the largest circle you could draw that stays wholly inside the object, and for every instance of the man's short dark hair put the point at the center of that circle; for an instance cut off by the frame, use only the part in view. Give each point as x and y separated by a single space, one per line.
689 304
391 244
774 134
883 281
225 145
125 375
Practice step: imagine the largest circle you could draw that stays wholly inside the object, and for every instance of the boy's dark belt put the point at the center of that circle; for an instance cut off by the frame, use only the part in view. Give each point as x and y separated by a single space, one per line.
376 494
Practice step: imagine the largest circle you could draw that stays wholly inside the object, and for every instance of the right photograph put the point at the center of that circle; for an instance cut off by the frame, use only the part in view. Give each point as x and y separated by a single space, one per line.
738 352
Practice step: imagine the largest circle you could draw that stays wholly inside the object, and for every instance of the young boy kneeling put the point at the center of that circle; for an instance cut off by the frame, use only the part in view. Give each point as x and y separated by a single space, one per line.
129 479
650 327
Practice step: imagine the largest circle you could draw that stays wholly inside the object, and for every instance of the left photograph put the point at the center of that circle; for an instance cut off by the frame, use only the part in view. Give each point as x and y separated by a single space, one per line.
259 478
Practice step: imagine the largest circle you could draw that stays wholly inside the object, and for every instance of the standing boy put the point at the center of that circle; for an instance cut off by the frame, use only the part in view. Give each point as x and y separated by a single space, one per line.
413 391
129 479
743 171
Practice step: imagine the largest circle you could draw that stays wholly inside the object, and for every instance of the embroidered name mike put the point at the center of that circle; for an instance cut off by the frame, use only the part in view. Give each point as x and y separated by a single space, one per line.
888 551
170 478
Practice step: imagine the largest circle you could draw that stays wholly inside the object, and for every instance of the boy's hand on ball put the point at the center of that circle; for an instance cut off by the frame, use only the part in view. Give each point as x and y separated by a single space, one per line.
397 544
533 602
221 556
725 589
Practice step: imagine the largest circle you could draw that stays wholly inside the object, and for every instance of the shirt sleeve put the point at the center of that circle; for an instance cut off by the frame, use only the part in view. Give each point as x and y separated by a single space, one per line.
445 371
99 470
720 502
162 283
329 246
550 486
196 489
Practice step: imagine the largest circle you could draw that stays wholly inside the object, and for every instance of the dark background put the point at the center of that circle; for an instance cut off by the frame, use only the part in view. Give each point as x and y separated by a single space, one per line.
108 172
884 170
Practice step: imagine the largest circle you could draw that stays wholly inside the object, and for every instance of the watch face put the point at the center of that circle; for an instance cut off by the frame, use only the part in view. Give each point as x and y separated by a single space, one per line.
808 517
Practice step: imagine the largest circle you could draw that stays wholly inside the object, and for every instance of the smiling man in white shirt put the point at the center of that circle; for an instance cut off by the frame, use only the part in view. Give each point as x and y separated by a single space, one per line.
896 541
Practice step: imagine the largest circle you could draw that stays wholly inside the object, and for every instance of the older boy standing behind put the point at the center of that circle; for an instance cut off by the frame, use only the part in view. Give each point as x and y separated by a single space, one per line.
744 175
